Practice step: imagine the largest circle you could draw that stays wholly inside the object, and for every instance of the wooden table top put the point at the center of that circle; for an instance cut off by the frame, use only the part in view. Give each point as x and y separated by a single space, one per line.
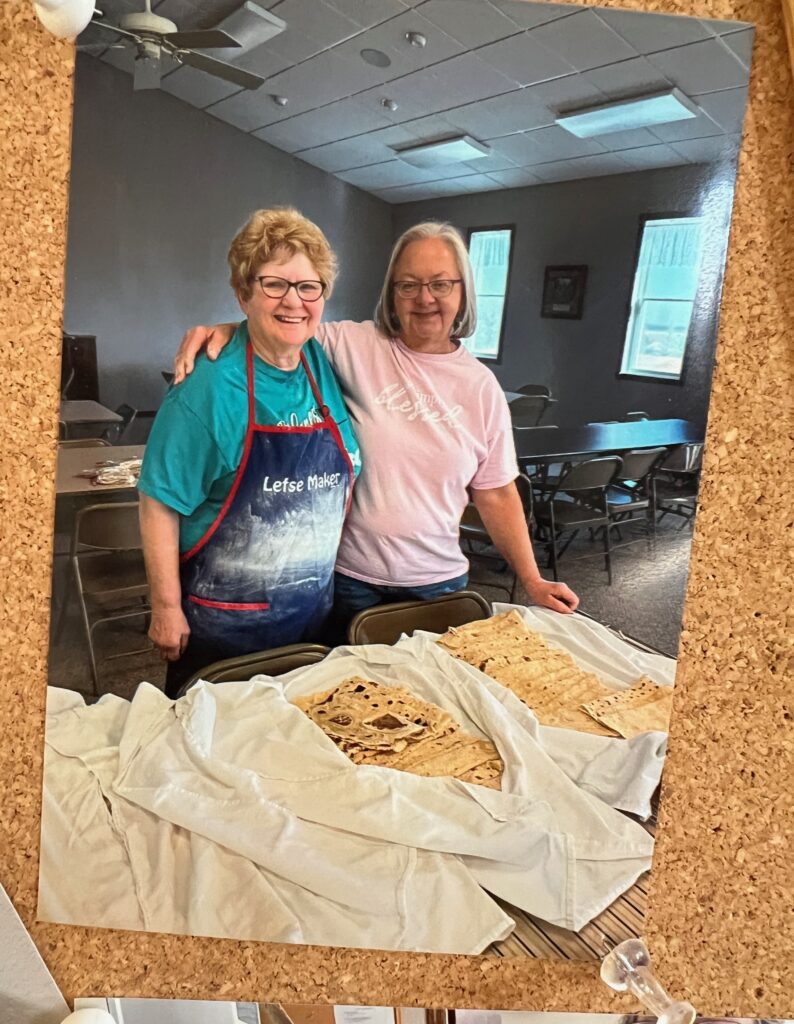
82 410
72 461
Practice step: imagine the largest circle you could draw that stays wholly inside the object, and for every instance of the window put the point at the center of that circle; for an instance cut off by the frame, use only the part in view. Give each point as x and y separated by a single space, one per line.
665 282
490 259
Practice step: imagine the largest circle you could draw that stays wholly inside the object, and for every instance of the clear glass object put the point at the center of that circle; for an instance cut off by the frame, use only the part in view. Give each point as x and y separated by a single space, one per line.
627 968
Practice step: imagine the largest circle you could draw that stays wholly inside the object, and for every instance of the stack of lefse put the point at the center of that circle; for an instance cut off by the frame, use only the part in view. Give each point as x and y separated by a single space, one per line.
383 725
548 680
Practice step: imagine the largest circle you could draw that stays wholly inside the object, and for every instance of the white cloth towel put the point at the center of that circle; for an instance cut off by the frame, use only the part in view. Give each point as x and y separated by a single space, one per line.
229 813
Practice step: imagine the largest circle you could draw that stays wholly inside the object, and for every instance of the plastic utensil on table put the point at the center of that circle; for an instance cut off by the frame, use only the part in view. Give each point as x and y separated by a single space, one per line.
627 968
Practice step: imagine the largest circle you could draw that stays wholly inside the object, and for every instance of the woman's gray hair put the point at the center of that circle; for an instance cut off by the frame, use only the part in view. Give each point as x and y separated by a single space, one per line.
466 321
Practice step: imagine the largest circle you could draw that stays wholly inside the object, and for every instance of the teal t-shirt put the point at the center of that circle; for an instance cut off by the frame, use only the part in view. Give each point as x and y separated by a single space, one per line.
197 439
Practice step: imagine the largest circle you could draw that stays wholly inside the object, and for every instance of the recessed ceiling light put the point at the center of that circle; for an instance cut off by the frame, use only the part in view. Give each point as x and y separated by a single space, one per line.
377 58
416 39
389 104
280 101
626 115
443 151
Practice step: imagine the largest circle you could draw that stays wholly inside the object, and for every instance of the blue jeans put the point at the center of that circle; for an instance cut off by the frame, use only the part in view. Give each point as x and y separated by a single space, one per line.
352 596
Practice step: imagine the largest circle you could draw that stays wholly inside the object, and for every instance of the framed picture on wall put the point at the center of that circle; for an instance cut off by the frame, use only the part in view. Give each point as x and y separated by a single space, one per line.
563 292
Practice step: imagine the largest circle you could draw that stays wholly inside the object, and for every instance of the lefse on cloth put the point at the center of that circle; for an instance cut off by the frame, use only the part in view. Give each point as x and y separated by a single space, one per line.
229 813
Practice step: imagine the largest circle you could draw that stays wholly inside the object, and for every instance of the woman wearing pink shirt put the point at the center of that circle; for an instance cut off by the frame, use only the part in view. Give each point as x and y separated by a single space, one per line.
434 431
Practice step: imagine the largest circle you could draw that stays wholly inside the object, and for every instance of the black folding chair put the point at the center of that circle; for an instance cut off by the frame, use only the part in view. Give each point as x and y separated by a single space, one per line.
473 531
385 623
579 500
632 493
676 481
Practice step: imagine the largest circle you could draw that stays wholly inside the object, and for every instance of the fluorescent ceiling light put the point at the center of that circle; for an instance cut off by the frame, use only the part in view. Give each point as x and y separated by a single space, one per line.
251 25
443 151
625 115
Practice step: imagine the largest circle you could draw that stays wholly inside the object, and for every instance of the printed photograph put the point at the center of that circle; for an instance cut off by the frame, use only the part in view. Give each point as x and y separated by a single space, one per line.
368 576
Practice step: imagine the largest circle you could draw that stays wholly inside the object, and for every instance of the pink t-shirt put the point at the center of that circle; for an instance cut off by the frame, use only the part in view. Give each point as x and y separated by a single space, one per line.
429 427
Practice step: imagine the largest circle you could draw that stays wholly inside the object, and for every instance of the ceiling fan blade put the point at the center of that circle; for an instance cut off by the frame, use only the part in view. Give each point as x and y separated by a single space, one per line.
113 28
99 47
200 39
219 68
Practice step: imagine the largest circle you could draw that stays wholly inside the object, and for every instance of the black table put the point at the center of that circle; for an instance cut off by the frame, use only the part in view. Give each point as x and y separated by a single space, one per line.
553 444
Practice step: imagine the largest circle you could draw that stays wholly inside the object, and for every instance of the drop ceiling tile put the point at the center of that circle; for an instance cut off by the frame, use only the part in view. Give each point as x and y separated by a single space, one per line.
390 37
517 177
367 13
529 15
196 87
700 127
433 126
372 148
262 61
719 28
493 162
525 60
185 14
471 22
252 109
457 81
554 143
320 80
517 148
443 187
311 26
316 127
584 167
701 67
740 44
706 151
500 115
629 78
584 41
648 33
647 157
392 173
369 76
725 108
564 94
615 142
478 183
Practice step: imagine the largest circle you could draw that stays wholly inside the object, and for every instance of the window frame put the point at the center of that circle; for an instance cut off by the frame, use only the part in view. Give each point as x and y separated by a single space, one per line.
680 380
497 359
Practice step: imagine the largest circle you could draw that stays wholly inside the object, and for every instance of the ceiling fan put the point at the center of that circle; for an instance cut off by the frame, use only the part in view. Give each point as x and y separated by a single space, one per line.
154 37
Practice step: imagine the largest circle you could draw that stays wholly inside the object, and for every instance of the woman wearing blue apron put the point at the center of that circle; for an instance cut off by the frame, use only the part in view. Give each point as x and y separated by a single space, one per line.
247 475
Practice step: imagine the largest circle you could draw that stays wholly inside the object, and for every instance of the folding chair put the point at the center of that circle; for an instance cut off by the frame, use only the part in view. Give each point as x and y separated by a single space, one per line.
274 662
632 492
676 481
85 442
385 623
579 500
473 530
528 411
107 562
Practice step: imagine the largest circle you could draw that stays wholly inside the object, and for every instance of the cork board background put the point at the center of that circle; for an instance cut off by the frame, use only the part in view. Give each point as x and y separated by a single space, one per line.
720 920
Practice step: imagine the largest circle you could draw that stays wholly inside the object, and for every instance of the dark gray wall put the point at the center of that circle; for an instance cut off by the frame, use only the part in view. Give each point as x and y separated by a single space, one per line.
595 222
158 189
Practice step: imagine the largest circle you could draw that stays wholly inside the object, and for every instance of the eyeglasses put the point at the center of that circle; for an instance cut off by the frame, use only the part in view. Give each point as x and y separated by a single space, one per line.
277 288
438 289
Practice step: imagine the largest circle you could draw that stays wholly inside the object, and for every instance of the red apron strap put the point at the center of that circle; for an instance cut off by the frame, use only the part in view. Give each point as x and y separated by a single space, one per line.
325 412
249 373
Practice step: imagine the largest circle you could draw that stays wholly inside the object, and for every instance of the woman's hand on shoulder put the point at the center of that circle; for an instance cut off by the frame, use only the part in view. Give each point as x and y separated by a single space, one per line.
169 632
210 339
557 596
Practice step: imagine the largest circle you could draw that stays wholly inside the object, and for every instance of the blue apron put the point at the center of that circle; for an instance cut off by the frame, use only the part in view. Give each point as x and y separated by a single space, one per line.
262 574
